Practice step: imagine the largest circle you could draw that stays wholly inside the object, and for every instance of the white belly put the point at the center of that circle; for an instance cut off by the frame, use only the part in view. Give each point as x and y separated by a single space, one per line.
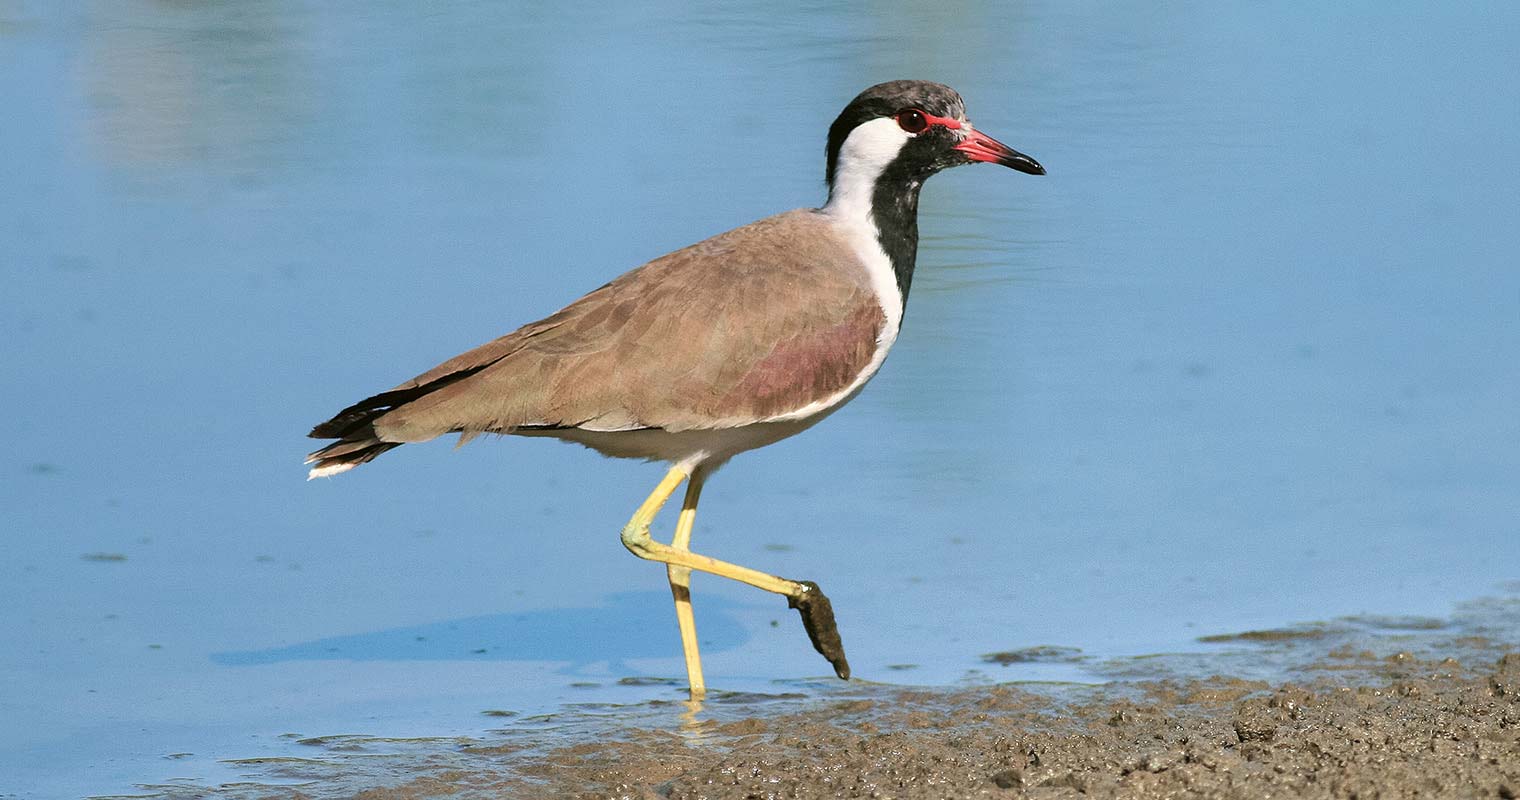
689 449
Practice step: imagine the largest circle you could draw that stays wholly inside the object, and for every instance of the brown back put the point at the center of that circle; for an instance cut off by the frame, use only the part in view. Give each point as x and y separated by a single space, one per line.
747 325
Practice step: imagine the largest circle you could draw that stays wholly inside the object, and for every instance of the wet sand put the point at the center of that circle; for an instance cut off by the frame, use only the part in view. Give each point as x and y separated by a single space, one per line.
1430 730
1387 708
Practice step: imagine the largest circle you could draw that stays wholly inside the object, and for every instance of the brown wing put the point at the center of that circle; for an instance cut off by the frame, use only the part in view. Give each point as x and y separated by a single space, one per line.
748 325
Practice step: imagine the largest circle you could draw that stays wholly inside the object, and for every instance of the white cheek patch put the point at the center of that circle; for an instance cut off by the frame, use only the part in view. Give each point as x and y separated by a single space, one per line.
865 153
874 143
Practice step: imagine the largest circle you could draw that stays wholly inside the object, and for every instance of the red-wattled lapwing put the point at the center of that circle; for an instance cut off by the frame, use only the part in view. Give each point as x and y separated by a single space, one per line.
727 345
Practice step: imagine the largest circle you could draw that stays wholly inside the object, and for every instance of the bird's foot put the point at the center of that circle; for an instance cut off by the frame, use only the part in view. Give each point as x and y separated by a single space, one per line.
818 619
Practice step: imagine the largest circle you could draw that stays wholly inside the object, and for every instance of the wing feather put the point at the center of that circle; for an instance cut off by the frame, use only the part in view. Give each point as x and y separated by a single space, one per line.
751 324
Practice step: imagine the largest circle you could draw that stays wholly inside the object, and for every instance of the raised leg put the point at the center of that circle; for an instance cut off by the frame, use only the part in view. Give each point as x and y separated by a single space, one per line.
805 596
680 584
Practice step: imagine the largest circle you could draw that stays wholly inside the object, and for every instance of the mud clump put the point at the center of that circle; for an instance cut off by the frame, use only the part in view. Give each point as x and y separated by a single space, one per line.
818 619
1032 655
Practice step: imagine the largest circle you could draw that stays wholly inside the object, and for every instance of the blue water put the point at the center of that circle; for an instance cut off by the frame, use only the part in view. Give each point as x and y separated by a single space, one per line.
1247 356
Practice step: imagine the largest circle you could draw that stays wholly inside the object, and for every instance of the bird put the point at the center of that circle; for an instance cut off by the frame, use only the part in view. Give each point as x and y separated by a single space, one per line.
733 343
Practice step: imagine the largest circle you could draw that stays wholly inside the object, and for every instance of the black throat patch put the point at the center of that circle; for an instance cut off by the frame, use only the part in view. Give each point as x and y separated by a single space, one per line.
894 209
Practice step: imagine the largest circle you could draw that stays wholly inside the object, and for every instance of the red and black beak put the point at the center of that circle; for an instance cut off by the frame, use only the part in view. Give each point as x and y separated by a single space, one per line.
979 146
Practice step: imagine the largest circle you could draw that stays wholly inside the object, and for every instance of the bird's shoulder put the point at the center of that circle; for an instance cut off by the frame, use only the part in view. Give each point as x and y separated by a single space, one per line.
802 243
768 273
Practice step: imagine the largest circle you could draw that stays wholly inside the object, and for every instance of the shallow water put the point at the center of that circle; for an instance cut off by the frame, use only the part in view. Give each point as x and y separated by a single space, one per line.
827 734
1244 358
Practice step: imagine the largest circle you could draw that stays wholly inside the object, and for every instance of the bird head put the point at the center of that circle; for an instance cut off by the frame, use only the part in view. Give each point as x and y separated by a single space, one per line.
911 129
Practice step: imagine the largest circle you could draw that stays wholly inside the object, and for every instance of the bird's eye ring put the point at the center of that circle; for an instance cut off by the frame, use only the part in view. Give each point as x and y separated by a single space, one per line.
912 120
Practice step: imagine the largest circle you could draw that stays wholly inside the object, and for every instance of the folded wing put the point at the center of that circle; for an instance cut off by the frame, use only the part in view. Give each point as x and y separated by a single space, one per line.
747 326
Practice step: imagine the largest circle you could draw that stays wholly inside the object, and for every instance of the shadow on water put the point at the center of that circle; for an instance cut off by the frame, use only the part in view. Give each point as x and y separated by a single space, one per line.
628 625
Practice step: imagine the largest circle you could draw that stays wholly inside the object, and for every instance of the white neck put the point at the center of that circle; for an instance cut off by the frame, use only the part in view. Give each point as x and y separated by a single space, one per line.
864 156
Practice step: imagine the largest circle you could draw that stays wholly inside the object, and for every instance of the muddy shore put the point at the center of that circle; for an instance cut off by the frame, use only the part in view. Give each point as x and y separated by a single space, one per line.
1430 730
1412 713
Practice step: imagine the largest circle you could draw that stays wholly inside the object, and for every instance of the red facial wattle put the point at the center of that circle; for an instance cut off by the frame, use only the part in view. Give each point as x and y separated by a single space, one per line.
917 120
977 146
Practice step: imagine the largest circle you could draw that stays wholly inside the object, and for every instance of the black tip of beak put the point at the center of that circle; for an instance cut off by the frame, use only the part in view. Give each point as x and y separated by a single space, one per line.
978 146
1022 163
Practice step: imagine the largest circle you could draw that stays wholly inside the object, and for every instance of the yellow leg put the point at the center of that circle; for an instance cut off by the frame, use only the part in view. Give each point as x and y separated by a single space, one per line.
806 597
680 586
636 539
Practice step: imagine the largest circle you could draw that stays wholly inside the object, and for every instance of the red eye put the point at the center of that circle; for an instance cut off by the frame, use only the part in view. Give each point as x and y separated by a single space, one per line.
912 120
